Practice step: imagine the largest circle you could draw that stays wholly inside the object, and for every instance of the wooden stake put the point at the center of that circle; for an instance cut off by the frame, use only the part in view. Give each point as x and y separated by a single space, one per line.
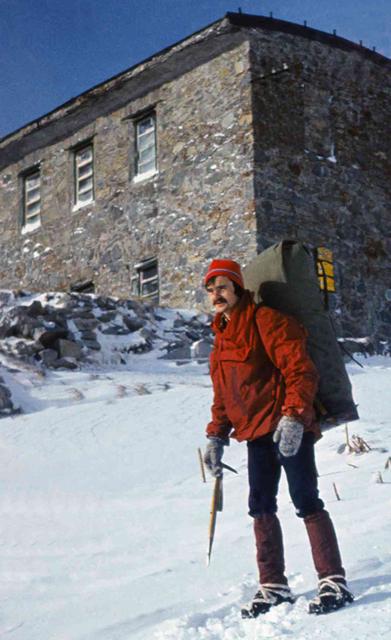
388 463
366 445
336 492
201 459
347 437
359 445
379 478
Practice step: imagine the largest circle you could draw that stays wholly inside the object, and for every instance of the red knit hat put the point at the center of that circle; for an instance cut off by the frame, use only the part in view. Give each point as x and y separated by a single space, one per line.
227 268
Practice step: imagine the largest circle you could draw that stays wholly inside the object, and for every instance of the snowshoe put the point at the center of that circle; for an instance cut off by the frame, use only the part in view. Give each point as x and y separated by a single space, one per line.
333 594
269 595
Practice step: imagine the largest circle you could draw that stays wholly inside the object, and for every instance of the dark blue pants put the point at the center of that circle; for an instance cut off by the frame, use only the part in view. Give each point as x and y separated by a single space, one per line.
264 472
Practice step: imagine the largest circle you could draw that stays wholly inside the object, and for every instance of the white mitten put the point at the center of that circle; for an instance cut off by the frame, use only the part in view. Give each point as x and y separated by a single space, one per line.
289 434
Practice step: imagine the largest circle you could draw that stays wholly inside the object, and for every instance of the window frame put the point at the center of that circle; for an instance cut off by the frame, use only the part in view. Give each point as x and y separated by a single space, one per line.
31 221
77 179
138 173
139 281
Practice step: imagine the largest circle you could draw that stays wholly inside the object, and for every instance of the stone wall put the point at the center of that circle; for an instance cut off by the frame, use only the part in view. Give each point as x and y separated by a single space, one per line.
199 204
323 165
263 132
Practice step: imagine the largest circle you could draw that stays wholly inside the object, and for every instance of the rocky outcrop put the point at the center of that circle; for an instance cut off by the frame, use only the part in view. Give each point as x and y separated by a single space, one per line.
78 330
67 330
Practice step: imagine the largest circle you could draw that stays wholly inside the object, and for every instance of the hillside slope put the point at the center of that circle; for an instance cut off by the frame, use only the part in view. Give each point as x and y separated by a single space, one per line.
104 516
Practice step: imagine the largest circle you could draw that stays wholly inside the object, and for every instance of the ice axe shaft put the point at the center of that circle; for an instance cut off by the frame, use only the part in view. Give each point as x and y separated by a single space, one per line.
217 505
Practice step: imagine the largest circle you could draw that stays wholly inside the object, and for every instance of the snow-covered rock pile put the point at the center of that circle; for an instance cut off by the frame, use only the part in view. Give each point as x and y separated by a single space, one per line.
74 330
65 330
6 404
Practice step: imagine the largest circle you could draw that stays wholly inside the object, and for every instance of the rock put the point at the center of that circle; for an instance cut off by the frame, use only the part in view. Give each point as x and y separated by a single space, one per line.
148 334
106 303
141 347
179 353
133 323
5 329
65 363
48 356
20 324
68 349
84 324
86 314
88 335
26 349
4 391
115 330
82 300
201 349
92 344
192 335
47 337
108 316
6 405
178 322
27 328
36 309
135 306
57 318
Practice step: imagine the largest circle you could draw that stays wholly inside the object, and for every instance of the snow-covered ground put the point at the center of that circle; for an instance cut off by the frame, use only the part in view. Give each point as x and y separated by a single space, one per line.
104 516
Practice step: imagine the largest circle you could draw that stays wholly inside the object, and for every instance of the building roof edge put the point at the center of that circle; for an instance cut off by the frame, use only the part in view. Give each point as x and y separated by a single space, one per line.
275 24
230 18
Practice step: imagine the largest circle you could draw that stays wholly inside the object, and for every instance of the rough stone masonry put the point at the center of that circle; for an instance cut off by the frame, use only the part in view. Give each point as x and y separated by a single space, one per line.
264 130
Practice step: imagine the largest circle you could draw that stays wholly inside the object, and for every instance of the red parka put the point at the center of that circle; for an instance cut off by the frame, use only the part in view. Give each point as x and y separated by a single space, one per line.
260 371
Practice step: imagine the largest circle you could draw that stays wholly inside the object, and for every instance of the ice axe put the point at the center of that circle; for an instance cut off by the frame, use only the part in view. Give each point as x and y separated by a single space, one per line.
217 505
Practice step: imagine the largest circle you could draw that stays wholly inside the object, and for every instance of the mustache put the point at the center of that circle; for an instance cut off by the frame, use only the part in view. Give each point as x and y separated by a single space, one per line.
219 301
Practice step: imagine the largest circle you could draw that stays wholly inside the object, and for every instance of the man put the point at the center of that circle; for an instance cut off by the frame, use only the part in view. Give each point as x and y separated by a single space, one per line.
264 388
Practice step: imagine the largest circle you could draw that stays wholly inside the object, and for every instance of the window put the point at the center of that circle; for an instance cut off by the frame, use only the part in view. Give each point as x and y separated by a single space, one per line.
145 284
32 199
325 269
325 272
146 145
84 175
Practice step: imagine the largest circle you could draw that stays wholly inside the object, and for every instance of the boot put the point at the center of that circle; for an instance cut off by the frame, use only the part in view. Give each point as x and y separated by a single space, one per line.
333 592
269 595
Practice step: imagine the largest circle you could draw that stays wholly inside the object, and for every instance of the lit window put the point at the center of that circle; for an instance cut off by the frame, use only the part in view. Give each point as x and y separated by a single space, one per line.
325 269
84 175
145 284
146 145
32 199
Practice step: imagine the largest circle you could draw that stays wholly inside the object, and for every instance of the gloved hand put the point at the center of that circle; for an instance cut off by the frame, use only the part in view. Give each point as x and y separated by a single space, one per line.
289 434
214 454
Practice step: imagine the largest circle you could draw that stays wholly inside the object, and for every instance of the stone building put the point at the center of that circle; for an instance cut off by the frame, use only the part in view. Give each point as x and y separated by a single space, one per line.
248 131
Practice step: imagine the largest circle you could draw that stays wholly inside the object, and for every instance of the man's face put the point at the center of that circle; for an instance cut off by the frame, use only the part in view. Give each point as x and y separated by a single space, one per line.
221 294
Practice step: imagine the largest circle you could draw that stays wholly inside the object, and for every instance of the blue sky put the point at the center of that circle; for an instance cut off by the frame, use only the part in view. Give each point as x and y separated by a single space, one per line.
53 50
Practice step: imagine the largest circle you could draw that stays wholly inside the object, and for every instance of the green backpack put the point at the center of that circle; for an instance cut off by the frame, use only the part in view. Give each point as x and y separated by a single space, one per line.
283 277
